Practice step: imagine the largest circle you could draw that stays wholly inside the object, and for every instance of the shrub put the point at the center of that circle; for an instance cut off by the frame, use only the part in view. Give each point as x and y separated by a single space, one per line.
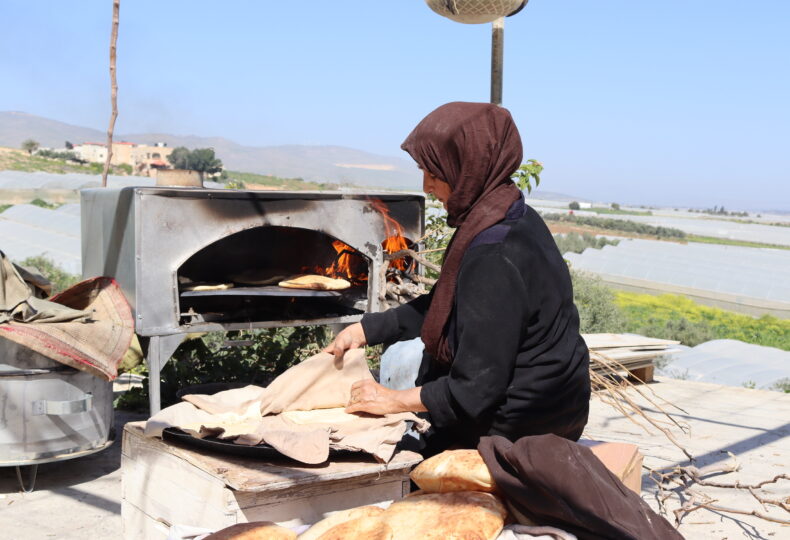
574 205
60 279
209 358
598 311
41 203
576 243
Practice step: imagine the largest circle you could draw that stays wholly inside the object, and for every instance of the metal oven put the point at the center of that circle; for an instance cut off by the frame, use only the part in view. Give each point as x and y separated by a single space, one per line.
161 243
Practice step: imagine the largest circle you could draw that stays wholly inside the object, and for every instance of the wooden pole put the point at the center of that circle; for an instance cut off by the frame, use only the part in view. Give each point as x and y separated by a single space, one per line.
116 6
497 59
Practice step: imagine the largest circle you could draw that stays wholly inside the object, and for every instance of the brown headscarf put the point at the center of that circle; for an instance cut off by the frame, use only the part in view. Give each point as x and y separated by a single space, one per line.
474 147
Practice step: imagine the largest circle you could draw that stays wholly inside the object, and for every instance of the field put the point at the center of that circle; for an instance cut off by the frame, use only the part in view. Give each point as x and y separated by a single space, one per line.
677 317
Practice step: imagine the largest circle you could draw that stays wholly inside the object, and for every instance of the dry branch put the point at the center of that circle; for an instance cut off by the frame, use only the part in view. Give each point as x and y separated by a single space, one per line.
414 255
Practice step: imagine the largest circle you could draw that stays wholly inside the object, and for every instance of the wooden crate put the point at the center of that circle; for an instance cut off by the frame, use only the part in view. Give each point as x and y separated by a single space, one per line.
166 484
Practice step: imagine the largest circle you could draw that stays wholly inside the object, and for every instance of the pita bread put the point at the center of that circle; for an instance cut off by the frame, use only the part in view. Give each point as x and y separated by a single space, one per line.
325 525
315 282
367 528
259 277
464 514
338 415
207 287
255 530
453 470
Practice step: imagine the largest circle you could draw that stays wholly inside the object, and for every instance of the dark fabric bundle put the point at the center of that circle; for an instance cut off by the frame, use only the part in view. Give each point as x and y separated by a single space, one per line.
556 482
474 147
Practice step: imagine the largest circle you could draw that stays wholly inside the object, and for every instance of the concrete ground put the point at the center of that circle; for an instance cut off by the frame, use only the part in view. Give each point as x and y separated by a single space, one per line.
81 498
754 425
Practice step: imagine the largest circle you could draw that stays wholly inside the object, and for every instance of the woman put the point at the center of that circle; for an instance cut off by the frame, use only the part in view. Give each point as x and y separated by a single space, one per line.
503 354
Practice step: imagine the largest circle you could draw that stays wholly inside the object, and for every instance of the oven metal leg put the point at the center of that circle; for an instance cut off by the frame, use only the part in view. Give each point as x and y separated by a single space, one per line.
160 349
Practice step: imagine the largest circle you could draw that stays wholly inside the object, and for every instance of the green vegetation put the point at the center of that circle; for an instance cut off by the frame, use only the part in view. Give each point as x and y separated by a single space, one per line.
20 161
782 385
574 205
4 207
730 242
30 146
294 184
719 211
619 225
598 311
60 279
618 212
260 356
526 173
41 203
576 243
201 160
65 156
677 317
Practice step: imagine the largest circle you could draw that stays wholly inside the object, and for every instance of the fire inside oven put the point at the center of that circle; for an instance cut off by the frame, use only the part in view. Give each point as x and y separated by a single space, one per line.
237 279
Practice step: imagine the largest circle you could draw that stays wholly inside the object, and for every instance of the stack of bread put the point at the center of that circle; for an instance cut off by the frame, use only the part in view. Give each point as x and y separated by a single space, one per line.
456 499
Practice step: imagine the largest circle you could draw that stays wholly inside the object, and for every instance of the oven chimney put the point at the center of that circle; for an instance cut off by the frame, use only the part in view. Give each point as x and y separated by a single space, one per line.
178 178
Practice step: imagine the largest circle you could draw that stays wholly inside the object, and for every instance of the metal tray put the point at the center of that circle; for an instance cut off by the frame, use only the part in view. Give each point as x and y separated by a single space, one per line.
270 290
261 451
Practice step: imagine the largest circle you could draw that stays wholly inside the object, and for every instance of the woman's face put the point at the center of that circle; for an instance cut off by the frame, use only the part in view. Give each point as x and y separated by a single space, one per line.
436 187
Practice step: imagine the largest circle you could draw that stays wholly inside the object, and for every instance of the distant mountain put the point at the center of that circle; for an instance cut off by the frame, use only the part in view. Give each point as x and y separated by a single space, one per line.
314 163
16 127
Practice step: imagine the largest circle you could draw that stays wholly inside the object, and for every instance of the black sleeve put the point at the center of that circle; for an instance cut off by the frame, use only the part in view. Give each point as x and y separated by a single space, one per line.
396 324
490 303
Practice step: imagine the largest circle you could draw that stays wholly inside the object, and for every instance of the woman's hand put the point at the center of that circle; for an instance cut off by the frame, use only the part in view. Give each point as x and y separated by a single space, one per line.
351 337
370 397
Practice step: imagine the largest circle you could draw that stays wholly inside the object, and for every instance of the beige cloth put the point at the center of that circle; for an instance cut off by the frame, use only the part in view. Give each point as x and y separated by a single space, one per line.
88 326
18 302
251 415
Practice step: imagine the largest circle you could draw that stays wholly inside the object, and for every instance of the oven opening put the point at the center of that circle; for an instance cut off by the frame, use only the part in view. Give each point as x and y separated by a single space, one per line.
239 278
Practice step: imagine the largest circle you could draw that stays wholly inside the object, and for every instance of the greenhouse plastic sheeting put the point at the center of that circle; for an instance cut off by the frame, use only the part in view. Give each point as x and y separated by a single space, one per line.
745 272
730 362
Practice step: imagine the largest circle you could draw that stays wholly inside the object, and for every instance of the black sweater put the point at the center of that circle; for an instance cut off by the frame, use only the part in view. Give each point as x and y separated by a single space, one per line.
519 366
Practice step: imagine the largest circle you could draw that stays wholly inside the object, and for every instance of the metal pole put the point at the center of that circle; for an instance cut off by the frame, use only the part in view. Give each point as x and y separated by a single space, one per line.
497 59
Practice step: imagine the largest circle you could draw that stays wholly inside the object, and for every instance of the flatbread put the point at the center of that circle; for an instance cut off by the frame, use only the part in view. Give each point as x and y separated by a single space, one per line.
259 277
255 530
207 287
453 470
367 528
325 525
315 282
337 415
463 514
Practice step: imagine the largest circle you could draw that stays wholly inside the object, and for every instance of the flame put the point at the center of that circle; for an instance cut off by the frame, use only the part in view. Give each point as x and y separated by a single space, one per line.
342 265
395 240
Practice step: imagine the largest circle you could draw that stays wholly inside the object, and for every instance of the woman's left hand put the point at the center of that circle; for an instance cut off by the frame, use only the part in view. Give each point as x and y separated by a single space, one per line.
370 397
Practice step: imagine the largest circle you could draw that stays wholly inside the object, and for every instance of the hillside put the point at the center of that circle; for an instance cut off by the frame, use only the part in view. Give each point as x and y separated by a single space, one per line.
335 164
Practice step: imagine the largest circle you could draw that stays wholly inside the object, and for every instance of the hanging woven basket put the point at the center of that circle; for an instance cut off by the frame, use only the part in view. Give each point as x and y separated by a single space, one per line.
476 11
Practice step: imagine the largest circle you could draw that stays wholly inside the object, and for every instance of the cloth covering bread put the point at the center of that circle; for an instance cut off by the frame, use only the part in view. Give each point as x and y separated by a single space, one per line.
337 518
464 514
367 528
315 282
255 530
453 470
314 391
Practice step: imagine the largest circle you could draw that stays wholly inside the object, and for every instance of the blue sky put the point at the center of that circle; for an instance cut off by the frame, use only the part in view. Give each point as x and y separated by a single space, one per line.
676 102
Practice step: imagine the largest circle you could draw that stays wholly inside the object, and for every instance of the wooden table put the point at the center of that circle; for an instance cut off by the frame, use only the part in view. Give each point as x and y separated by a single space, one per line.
166 483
